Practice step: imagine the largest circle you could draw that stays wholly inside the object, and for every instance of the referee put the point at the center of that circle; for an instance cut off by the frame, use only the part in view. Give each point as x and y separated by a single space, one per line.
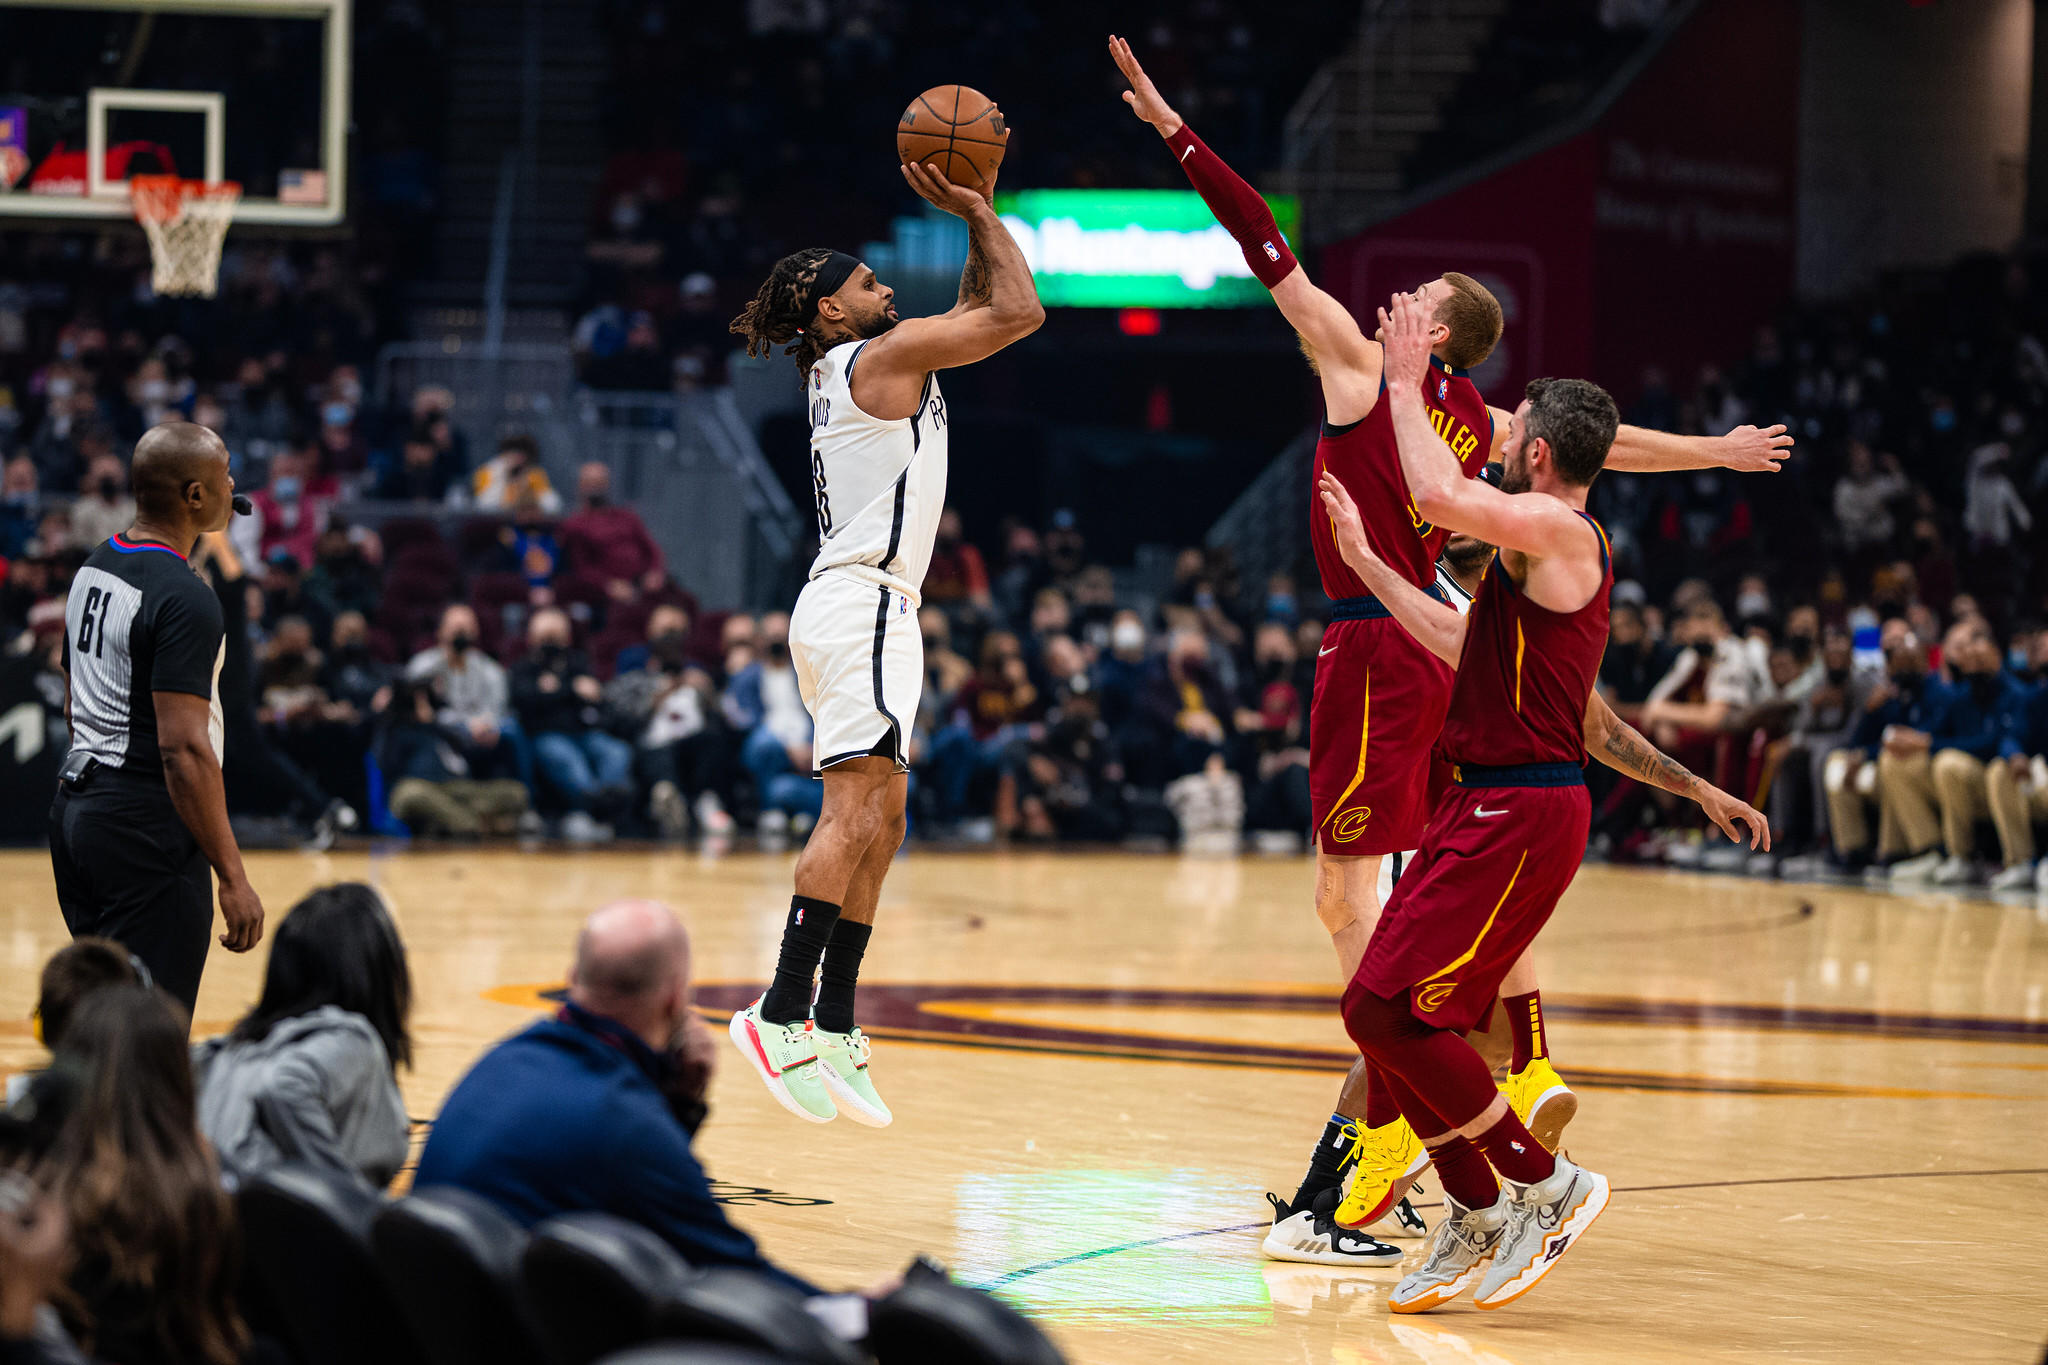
140 813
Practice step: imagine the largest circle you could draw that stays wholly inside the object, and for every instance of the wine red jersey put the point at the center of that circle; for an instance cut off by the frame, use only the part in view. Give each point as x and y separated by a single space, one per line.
1366 461
1520 694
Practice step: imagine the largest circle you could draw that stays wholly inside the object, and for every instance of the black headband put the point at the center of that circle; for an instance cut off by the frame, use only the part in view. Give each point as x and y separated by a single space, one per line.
831 274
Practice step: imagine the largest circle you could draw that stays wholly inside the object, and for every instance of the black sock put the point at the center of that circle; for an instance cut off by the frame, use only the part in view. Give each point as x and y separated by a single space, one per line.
1326 1167
839 974
804 936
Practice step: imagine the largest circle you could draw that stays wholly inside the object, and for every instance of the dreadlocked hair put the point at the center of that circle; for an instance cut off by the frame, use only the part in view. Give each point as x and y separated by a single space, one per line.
778 315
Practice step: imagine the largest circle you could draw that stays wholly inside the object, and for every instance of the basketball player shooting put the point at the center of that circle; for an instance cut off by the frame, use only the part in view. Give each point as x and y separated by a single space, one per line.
878 458
1379 699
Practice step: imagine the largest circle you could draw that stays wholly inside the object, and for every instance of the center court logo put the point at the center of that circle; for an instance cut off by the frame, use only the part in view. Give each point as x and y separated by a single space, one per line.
1430 998
1350 824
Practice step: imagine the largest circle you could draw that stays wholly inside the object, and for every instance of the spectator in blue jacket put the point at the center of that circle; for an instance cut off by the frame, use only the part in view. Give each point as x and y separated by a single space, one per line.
1947 777
2016 781
595 1108
1896 712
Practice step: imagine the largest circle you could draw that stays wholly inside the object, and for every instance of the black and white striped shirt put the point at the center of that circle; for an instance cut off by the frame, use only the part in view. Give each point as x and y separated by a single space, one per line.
138 621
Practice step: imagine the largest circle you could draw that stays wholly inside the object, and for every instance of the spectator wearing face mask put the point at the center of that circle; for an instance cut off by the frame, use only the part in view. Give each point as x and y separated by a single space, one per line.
2016 783
994 711
433 788
294 506
763 703
561 707
684 753
423 472
957 582
595 1108
1120 672
345 574
1940 771
1071 782
1272 715
608 541
530 548
474 696
513 471
343 451
1824 724
1893 725
106 507
352 672
20 505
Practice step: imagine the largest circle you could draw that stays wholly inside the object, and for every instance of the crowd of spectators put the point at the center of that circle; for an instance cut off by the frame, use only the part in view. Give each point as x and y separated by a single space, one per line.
122 1240
1858 640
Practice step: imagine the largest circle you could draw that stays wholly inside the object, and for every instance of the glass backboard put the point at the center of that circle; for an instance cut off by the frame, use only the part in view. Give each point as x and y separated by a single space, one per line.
254 91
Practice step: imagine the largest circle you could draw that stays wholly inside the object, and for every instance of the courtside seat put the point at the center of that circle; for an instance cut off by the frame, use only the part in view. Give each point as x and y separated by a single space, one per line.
307 1235
594 1283
695 1353
929 1320
746 1309
452 1260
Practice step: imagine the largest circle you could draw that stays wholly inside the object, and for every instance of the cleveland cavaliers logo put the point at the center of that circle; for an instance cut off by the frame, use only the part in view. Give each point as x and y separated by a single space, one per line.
1350 824
1430 998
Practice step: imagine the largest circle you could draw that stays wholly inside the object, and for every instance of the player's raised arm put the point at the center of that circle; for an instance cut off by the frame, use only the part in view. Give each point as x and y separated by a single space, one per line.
1640 450
1437 626
1530 522
1347 360
998 301
1617 744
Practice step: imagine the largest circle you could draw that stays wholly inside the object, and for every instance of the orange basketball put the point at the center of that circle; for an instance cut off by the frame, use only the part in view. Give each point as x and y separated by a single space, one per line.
956 128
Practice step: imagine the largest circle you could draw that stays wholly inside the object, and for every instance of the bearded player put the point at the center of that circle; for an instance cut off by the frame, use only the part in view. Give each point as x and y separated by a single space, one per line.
1506 839
878 455
1379 698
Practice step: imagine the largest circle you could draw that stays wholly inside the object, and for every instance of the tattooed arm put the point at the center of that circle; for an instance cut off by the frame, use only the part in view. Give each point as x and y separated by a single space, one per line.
1616 743
976 284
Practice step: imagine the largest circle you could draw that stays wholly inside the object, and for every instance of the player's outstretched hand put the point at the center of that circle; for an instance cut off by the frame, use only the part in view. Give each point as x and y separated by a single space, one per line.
1143 96
1725 811
932 186
1349 526
1404 330
1756 450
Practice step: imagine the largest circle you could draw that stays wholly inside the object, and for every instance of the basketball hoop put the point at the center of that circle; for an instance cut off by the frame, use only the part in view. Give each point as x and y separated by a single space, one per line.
186 221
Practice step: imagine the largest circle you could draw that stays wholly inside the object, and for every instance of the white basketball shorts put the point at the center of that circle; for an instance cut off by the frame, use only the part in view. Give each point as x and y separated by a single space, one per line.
860 665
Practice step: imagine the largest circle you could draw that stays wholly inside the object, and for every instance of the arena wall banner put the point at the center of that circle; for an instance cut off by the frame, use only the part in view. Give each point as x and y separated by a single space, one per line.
1661 234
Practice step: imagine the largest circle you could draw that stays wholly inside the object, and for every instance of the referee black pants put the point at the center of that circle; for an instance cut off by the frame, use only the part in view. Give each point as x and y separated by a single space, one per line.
128 869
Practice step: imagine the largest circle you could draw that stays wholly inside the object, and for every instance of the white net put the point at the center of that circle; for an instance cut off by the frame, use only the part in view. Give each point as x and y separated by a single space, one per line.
186 222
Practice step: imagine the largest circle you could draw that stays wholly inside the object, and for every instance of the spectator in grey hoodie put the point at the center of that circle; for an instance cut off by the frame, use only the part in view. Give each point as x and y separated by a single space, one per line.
309 1074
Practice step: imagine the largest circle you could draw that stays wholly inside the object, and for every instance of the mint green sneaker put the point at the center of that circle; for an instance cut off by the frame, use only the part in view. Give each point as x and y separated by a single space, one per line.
785 1057
843 1062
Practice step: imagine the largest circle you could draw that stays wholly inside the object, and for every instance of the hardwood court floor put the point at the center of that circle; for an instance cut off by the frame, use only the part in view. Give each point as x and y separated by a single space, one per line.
1822 1108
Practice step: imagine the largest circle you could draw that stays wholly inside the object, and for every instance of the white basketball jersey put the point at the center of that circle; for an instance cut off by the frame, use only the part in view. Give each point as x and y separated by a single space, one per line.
880 485
1453 590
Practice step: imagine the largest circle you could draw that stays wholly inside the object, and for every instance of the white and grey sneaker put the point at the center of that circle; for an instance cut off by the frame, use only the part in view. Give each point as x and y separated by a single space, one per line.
1914 870
2018 877
1457 1256
1312 1235
1545 1220
1955 872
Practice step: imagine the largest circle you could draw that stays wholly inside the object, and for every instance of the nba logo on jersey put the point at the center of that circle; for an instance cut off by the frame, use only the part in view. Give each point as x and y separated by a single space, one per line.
1443 389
